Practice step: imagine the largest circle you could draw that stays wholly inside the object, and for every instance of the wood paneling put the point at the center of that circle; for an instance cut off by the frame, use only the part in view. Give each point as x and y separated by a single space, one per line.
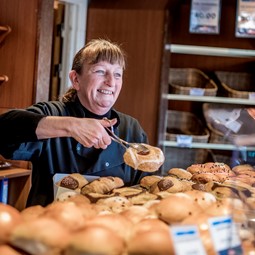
25 53
140 31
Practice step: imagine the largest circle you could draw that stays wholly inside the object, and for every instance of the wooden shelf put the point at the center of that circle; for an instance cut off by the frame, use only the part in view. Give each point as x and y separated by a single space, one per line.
215 146
19 176
209 99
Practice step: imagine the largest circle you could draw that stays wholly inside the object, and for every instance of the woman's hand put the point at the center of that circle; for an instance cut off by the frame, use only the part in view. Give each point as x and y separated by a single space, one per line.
88 132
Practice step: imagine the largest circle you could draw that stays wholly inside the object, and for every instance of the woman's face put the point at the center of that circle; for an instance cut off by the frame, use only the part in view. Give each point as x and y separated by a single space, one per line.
99 85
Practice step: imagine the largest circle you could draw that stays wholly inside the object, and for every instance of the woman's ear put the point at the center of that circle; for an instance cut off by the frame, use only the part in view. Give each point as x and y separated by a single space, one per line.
74 79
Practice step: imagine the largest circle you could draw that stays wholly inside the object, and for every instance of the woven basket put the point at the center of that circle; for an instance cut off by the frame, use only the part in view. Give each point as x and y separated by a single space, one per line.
184 157
236 84
185 123
184 80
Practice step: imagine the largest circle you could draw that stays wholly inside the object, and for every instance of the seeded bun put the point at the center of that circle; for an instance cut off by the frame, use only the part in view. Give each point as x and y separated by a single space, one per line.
148 163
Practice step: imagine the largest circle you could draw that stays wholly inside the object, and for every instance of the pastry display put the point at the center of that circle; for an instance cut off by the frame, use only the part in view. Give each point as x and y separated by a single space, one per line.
137 219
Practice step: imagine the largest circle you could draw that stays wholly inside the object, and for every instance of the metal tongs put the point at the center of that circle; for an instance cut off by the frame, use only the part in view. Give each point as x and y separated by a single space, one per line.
141 149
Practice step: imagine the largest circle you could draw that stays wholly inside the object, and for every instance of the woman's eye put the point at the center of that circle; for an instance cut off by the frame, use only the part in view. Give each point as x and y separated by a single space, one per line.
101 72
118 75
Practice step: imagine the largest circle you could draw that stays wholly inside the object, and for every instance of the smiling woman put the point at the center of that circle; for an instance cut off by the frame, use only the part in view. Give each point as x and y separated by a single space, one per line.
70 136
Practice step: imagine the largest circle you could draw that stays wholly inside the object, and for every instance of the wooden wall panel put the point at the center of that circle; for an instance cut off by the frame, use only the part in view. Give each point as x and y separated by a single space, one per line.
25 54
141 32
17 52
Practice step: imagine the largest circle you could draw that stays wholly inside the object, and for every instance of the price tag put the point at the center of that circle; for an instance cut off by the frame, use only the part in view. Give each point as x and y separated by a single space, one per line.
224 235
252 96
187 241
184 140
245 20
197 92
205 16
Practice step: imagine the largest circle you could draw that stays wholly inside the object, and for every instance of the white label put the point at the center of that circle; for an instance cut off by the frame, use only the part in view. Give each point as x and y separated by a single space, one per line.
184 140
234 126
224 234
186 240
197 92
251 96
204 16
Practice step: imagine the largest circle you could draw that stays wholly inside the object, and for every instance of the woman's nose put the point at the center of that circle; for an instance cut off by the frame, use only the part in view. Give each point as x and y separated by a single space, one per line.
109 80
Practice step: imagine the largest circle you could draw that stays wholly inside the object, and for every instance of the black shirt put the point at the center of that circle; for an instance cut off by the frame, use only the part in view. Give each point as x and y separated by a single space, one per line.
65 155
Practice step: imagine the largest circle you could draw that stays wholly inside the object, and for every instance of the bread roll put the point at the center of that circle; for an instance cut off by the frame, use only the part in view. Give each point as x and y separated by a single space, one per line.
240 168
148 163
116 203
204 199
142 198
40 236
68 214
153 242
149 224
73 181
180 173
102 185
167 183
8 250
95 240
136 213
147 181
9 218
176 207
117 223
32 212
127 192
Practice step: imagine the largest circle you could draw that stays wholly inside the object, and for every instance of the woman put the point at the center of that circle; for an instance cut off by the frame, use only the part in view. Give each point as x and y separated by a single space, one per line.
69 136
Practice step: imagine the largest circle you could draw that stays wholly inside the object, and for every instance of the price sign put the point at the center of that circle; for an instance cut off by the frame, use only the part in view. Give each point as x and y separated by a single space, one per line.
245 20
205 16
224 235
187 241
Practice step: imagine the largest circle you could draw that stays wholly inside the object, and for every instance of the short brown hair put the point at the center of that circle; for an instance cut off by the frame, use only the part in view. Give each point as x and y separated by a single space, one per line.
93 52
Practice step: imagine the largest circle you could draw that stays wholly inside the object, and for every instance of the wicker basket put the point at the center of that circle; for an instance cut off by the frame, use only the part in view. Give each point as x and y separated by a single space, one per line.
236 84
184 80
185 123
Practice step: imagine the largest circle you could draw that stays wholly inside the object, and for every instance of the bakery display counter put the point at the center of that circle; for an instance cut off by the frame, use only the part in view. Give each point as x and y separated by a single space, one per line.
206 209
